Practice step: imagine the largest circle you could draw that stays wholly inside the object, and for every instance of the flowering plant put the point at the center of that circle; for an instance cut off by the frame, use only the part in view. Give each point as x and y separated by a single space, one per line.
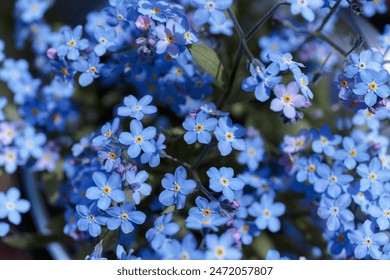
141 126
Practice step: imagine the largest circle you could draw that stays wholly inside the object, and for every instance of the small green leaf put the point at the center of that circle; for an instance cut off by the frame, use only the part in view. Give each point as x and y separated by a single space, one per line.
209 61
169 209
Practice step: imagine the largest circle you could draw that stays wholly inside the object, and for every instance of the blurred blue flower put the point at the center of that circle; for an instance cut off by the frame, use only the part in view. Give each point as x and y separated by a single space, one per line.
163 228
11 206
221 248
267 213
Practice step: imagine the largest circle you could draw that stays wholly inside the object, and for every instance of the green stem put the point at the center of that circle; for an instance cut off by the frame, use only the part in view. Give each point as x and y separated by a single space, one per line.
265 18
240 33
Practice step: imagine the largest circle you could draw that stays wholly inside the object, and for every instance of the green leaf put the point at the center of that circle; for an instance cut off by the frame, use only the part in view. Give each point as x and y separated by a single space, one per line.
209 61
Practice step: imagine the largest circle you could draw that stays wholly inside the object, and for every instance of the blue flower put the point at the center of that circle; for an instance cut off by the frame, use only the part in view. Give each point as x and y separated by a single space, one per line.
111 158
122 255
156 9
370 8
384 38
118 14
11 205
91 219
198 128
213 10
267 213
307 168
366 60
306 8
246 230
303 82
30 143
222 181
221 248
105 39
205 215
186 250
137 109
138 139
352 153
373 176
170 40
287 99
229 136
381 211
274 255
367 241
284 61
324 141
177 187
253 154
262 80
90 69
336 211
373 85
124 216
3 103
73 43
106 190
137 183
154 158
107 132
163 228
4 229
332 180
9 159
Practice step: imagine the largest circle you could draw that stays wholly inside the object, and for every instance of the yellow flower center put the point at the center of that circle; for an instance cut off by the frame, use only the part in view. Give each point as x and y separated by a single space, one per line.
219 251
287 99
106 190
93 70
362 65
229 136
324 140
156 10
184 256
372 176
206 212
124 216
373 86
72 43
176 188
266 213
10 206
179 71
64 71
187 35
199 127
333 179
112 155
353 153
251 152
344 83
108 134
139 139
311 168
245 228
170 39
224 181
